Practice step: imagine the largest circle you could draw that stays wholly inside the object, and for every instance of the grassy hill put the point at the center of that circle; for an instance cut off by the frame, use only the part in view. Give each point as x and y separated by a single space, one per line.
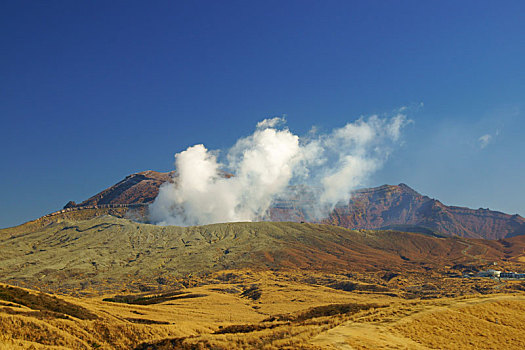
118 284
288 314
105 252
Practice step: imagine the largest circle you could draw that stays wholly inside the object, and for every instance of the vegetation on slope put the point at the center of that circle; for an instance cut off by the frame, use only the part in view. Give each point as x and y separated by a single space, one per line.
51 305
152 299
106 253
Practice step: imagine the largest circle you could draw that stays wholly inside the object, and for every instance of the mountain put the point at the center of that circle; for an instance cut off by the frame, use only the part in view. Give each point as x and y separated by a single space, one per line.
120 284
139 188
386 206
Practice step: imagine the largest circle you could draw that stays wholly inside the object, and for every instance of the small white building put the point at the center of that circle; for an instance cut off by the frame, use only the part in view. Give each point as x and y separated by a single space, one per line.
489 273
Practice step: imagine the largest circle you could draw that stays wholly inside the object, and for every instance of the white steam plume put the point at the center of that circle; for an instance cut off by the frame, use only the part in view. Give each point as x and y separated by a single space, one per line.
268 165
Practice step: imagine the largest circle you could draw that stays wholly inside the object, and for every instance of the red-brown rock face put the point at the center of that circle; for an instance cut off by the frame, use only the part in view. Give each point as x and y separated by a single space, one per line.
400 205
139 188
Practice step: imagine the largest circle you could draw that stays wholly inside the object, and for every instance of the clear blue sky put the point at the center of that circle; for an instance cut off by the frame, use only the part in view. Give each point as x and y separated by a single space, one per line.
91 91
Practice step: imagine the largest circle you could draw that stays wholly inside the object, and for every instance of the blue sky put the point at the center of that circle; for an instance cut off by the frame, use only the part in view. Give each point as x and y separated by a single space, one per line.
91 91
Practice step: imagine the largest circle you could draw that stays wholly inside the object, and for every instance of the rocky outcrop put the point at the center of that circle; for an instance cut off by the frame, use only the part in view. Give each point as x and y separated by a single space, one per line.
400 205
139 188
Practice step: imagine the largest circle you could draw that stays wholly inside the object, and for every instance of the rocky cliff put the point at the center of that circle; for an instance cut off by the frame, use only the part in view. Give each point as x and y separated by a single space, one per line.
139 188
400 205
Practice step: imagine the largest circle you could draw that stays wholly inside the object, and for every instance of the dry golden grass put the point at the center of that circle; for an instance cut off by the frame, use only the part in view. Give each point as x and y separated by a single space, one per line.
456 323
289 313
496 323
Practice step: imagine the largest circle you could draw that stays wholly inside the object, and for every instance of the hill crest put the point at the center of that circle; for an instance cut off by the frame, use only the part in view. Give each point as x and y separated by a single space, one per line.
116 250
369 208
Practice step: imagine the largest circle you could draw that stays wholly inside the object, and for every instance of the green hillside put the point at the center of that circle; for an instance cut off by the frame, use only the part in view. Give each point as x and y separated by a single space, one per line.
112 252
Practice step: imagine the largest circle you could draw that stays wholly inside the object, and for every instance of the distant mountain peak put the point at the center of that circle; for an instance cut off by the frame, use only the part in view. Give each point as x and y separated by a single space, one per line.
137 188
368 208
407 188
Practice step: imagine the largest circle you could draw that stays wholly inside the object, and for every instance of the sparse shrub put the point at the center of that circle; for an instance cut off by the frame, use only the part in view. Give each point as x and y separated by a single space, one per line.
153 299
335 309
245 328
228 277
169 344
253 292
352 286
145 321
226 290
161 280
48 305
389 275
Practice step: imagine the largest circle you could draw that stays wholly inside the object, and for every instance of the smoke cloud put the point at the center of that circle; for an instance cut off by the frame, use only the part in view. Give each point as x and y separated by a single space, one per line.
273 164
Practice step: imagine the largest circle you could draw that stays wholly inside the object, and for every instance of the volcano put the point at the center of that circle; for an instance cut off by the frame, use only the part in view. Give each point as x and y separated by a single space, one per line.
385 207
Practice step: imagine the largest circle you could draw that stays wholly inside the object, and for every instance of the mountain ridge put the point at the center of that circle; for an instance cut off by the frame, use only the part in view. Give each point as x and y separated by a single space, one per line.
369 208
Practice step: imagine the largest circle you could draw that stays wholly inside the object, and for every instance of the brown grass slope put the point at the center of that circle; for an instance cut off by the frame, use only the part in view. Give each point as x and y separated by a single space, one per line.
109 250
289 313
